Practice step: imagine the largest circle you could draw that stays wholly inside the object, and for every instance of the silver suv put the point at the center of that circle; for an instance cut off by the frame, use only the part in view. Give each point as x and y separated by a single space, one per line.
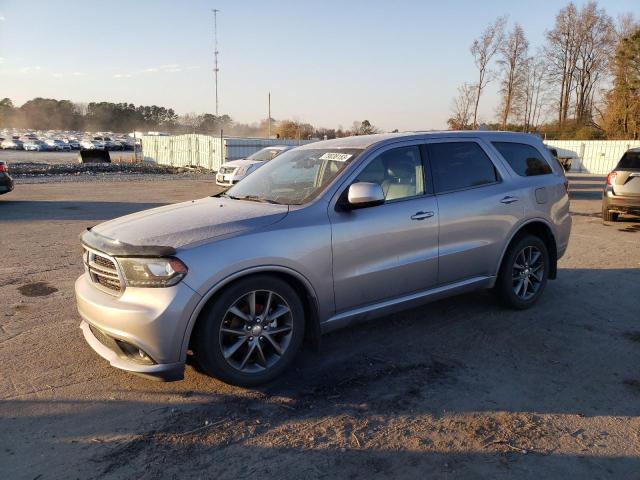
323 236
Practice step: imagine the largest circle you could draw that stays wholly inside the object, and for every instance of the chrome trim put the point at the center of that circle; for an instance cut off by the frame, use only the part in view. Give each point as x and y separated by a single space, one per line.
94 269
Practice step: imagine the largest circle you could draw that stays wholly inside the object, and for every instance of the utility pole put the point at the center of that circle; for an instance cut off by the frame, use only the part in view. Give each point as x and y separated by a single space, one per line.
269 118
215 52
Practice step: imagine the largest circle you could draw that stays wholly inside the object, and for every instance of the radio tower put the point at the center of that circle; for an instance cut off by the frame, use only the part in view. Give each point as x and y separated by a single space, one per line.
215 52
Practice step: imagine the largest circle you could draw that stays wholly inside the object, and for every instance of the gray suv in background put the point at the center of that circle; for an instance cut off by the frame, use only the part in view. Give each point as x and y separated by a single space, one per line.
622 189
321 237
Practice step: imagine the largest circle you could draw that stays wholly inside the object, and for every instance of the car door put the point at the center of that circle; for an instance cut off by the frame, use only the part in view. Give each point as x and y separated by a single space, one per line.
478 207
387 250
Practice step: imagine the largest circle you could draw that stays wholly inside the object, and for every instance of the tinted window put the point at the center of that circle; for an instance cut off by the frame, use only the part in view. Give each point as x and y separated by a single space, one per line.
630 160
458 165
525 160
397 171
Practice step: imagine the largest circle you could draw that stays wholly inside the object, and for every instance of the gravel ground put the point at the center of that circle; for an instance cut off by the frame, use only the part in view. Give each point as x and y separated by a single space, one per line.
21 156
460 388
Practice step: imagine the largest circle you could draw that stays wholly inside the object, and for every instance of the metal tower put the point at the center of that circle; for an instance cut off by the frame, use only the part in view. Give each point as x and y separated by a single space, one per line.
215 52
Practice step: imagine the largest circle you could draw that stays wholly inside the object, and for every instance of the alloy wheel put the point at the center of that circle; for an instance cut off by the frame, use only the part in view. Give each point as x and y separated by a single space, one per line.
528 272
256 331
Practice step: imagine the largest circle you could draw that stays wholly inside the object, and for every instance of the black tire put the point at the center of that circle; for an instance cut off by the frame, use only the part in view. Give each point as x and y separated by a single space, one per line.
608 215
506 284
207 345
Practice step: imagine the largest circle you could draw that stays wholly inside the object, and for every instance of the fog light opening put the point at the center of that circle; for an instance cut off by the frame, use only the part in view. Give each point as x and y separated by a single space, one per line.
134 353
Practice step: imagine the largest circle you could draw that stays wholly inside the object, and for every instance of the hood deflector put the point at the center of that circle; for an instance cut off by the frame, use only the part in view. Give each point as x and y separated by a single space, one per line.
119 249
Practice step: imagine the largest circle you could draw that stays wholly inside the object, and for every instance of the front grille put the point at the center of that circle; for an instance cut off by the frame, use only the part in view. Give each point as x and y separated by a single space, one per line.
103 272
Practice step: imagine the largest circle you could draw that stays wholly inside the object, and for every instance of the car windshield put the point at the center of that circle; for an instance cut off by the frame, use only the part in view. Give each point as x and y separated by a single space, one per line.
264 155
295 177
630 160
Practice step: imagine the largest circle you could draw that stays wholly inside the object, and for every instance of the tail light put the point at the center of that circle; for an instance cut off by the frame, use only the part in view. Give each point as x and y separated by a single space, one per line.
611 178
3 168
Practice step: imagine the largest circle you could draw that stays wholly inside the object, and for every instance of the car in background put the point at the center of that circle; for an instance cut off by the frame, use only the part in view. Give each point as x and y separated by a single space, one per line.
58 145
35 146
622 190
6 182
12 144
232 172
74 144
87 145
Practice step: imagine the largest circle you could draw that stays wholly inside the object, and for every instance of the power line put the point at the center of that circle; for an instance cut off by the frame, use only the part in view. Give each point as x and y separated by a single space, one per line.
215 52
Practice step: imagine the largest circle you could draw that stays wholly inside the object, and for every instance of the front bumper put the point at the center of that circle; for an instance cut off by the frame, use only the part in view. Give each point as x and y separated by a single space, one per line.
153 320
6 183
620 203
226 180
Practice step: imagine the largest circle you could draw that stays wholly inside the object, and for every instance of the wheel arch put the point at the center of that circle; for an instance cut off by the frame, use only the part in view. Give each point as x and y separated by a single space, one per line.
543 230
300 284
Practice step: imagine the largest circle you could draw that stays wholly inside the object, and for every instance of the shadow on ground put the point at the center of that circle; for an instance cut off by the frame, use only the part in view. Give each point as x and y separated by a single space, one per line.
25 210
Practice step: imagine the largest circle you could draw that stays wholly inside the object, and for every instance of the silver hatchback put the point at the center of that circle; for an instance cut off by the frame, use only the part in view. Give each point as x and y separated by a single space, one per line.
323 236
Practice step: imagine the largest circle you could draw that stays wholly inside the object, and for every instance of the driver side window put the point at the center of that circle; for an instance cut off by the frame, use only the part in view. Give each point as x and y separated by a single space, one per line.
398 171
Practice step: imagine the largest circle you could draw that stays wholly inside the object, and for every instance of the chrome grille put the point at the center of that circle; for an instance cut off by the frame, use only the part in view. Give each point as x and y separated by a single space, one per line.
103 272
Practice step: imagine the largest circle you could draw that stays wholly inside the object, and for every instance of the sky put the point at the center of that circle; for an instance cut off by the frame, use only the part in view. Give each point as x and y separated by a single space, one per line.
397 64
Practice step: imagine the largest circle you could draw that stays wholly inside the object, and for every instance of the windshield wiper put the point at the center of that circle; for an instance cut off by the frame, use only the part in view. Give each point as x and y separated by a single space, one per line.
254 198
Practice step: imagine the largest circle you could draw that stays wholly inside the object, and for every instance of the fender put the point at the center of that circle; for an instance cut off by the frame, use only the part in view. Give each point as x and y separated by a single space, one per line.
225 281
516 229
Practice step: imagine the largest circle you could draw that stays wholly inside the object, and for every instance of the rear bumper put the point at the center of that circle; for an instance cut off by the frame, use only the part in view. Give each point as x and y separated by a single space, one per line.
153 320
620 203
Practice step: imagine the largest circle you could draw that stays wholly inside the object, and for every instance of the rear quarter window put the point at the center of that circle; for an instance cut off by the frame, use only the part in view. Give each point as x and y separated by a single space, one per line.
460 165
630 160
524 159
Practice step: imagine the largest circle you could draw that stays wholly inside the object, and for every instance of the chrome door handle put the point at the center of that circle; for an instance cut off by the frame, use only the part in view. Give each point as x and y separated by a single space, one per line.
509 199
422 215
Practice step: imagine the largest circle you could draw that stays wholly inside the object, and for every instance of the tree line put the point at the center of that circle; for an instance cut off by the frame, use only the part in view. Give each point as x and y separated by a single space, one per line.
51 114
583 82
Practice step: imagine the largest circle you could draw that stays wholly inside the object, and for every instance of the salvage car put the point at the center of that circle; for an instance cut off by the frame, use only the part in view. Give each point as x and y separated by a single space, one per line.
622 189
6 182
324 236
232 172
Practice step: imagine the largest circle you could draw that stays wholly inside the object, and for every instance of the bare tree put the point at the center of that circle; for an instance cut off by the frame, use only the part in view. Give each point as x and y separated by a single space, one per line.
483 49
513 58
461 107
534 94
562 52
596 40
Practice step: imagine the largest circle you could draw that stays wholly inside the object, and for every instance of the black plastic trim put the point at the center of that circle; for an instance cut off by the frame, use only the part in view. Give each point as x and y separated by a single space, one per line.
120 249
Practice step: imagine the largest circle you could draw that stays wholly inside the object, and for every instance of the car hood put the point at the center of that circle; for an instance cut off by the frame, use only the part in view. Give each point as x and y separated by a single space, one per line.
186 223
241 163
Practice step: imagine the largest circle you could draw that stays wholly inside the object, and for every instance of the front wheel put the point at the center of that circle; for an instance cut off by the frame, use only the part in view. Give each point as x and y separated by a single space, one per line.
524 272
251 332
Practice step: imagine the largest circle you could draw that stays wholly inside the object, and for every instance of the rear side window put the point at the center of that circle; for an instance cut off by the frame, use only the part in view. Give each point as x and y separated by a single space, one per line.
630 160
525 160
459 165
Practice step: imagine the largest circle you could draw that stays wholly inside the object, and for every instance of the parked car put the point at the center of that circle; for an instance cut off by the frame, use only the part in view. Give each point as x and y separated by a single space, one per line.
87 145
232 172
11 144
323 236
622 189
74 144
33 145
58 145
6 182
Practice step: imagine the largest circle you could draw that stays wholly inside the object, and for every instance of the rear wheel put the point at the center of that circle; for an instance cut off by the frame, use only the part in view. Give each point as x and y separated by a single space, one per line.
251 333
608 215
524 272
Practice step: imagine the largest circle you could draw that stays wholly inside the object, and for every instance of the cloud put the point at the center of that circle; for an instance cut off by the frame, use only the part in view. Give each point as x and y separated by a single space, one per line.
30 69
72 74
2 18
168 68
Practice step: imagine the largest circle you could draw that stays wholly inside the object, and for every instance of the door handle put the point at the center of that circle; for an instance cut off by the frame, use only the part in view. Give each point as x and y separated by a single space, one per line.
422 215
509 199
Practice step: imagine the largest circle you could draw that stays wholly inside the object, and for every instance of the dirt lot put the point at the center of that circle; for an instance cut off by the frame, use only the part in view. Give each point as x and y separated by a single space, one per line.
54 158
458 389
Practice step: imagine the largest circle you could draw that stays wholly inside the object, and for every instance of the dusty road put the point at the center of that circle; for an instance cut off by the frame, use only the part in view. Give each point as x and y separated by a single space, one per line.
458 389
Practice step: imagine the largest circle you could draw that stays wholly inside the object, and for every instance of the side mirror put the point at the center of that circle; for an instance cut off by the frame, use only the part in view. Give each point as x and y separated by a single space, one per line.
365 194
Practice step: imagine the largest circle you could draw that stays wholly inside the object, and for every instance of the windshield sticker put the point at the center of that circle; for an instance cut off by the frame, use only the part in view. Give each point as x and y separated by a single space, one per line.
336 157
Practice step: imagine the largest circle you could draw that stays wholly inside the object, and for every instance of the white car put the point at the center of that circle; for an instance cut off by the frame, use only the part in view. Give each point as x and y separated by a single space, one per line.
87 145
232 172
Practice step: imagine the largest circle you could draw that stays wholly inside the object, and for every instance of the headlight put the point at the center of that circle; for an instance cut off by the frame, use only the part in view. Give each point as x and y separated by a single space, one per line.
152 272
